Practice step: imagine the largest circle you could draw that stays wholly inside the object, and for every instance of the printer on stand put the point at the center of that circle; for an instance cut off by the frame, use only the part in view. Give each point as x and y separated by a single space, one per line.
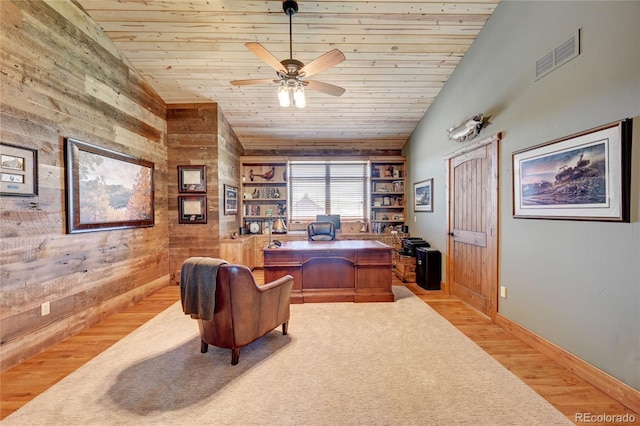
409 246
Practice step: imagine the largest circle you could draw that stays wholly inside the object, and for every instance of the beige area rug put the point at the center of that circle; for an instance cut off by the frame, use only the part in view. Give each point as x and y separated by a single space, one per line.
341 364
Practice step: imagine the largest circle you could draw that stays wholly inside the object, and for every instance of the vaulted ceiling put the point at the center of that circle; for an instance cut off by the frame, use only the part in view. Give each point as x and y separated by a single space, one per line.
399 54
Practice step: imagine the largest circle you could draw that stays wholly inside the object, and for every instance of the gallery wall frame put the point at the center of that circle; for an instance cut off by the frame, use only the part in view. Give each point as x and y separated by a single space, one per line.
105 189
192 209
230 200
584 176
18 171
192 179
423 196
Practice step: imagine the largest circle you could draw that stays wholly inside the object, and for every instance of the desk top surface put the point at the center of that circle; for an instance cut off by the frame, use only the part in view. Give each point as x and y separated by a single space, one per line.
330 245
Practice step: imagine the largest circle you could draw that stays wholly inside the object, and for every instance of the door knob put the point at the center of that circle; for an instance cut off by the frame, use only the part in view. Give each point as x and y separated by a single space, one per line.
450 234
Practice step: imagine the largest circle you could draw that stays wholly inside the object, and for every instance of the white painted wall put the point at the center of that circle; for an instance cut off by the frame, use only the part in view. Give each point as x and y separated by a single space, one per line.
575 283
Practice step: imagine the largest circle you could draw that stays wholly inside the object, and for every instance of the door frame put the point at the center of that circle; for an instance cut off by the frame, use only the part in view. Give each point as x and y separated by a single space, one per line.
492 218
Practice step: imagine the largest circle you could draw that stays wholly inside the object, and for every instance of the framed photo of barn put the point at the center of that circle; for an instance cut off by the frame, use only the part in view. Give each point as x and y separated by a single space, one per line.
585 176
106 189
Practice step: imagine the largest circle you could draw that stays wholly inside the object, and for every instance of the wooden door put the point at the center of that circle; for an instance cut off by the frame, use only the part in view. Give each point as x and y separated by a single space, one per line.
472 246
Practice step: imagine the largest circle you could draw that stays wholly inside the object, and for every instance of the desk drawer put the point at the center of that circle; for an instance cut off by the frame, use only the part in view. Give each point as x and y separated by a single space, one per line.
350 255
374 257
274 257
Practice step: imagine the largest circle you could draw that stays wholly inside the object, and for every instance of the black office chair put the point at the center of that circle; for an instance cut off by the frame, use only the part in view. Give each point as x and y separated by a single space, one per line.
321 231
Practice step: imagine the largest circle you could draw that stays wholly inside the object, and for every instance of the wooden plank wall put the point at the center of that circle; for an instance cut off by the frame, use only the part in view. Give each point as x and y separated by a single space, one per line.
61 76
229 172
198 134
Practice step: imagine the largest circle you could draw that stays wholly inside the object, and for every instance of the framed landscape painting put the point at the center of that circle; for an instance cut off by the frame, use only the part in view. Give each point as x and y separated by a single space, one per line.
586 176
106 189
423 196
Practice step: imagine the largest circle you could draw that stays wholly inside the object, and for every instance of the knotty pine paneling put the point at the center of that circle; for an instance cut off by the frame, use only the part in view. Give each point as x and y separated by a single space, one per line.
399 55
198 134
63 77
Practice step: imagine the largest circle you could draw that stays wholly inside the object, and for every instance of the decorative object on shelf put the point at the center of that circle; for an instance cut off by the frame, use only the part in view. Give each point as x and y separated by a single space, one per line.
266 176
230 199
192 209
234 235
106 189
192 179
468 129
254 227
423 196
585 176
279 226
18 171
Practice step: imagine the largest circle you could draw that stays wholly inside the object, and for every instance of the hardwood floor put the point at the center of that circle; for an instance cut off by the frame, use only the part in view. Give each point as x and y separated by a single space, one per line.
22 383
564 390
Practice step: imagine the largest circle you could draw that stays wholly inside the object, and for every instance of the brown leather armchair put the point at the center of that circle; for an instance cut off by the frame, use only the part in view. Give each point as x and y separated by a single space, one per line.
321 231
244 311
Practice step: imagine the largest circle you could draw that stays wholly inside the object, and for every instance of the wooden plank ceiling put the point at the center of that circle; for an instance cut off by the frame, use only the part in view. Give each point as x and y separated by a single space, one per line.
398 54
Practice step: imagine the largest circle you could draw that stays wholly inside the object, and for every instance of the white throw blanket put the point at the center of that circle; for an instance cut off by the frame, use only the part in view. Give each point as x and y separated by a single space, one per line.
198 286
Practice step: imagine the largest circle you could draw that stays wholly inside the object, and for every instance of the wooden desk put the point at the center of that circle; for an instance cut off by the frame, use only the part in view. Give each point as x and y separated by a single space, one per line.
333 271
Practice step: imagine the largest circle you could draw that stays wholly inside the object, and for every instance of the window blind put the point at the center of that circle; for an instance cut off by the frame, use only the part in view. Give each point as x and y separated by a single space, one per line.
329 187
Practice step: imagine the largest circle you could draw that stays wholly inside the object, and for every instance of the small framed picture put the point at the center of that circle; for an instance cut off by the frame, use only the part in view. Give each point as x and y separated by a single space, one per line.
230 199
192 179
423 196
192 209
18 171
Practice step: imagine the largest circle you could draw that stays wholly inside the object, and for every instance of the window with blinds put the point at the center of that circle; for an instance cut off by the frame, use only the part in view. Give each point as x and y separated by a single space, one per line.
328 187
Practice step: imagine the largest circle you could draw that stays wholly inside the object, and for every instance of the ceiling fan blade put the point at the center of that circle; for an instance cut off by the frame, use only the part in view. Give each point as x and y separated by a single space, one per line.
323 62
326 88
253 81
266 56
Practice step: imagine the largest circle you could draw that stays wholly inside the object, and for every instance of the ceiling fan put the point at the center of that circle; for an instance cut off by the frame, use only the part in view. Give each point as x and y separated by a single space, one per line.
291 72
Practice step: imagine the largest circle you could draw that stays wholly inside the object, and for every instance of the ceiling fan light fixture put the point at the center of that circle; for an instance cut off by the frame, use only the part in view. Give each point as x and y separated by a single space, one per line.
284 97
291 93
299 98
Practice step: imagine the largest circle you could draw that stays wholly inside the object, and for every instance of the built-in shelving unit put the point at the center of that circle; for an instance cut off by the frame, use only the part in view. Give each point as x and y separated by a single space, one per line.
264 195
388 197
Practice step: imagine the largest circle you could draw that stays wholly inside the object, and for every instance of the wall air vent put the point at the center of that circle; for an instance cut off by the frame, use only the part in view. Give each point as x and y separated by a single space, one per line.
562 54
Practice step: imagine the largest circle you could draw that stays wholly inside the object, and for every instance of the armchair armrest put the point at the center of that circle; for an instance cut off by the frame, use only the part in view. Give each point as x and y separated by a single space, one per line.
276 283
